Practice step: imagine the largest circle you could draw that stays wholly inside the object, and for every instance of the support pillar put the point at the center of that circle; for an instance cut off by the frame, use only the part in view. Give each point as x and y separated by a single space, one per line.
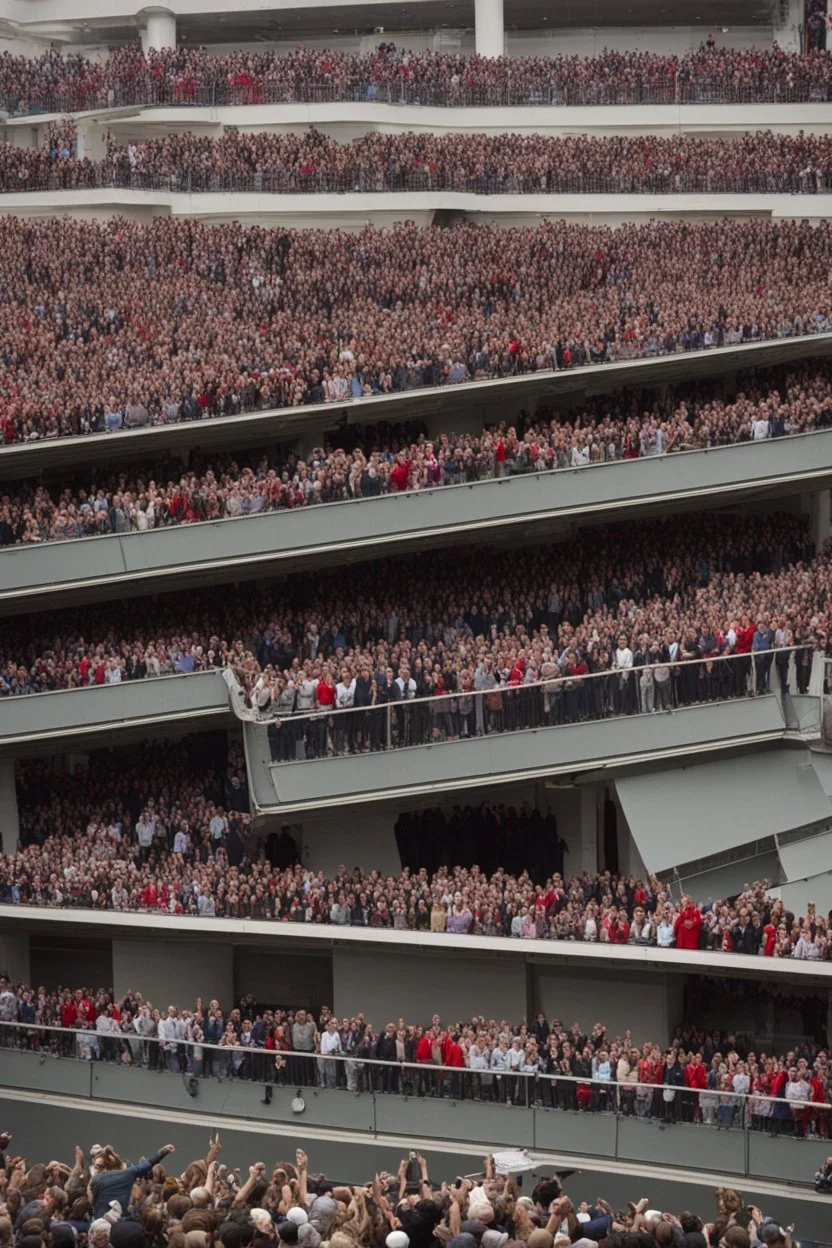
14 956
160 32
9 822
589 828
820 519
488 27
790 35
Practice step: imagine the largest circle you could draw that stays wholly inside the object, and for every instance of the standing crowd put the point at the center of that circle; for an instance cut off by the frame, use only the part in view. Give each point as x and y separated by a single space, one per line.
116 325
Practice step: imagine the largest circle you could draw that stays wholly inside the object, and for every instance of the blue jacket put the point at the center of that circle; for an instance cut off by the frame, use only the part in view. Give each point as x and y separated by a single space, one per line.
118 1184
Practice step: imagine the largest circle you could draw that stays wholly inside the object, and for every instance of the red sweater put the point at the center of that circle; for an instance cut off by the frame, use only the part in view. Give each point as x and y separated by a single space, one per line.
688 937
325 694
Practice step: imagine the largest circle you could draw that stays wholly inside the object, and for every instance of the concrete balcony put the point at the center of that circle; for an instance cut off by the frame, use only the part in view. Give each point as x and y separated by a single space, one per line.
346 119
112 714
572 749
384 209
45 1094
461 407
61 573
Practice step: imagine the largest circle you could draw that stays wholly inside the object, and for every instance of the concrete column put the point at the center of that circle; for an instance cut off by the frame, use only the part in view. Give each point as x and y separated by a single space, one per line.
488 27
820 518
789 36
14 956
589 830
174 974
9 822
160 32
91 141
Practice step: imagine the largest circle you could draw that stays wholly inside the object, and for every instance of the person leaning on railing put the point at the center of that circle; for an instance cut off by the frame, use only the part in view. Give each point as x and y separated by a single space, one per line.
700 1078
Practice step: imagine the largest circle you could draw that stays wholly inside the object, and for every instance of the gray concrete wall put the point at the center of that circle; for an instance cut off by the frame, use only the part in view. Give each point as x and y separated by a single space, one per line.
416 985
174 973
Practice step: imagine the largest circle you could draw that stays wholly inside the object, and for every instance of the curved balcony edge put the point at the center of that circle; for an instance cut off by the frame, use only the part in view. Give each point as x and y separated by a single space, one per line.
488 396
506 757
73 718
33 577
385 208
285 938
692 1152
495 119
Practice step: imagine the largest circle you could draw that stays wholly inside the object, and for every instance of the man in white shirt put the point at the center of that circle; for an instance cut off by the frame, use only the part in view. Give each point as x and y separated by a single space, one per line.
182 841
625 690
167 1032
330 1043
515 1057
405 691
218 827
145 832
206 906
344 724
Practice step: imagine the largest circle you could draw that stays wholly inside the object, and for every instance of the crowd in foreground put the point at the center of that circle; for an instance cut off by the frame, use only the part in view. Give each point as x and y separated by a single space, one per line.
716 1078
514 164
54 82
393 458
109 838
140 1205
111 325
662 617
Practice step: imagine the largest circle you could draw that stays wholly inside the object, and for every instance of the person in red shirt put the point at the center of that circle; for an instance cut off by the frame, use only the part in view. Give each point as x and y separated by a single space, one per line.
84 1007
400 473
455 1058
742 666
818 1112
424 1058
688 925
500 457
696 1077
769 937
324 700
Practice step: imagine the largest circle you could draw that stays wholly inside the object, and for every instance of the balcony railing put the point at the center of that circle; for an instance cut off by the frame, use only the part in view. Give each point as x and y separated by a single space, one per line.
544 93
71 175
398 719
746 1135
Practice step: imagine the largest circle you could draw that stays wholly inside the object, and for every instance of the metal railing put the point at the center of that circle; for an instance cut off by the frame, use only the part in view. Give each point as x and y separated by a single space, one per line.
531 1092
515 90
72 175
281 396
406 720
489 477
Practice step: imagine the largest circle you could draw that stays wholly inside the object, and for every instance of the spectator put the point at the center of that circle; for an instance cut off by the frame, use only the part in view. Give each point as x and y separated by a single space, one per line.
560 295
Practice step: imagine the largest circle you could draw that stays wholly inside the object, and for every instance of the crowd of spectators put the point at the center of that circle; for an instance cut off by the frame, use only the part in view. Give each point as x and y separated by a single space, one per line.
710 74
476 163
714 1078
111 325
391 458
663 616
155 831
114 1204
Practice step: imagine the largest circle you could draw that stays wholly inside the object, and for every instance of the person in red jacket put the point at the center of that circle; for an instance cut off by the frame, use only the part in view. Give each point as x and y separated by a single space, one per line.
742 666
818 1112
324 701
400 473
455 1058
424 1058
696 1076
688 925
780 1114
